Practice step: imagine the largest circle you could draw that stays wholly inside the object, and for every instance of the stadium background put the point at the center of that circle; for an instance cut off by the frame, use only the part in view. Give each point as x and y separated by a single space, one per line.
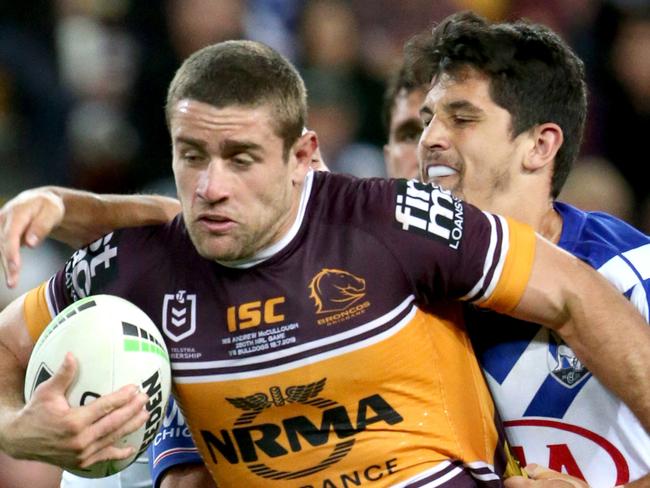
82 87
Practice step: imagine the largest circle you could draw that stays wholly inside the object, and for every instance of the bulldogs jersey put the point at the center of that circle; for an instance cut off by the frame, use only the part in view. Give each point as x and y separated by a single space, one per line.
325 360
173 444
556 413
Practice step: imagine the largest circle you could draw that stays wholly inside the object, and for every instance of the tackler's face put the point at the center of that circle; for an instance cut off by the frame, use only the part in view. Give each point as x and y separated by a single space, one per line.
467 144
237 190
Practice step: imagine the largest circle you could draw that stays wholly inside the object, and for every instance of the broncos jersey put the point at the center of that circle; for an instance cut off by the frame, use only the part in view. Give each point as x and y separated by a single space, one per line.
326 359
555 412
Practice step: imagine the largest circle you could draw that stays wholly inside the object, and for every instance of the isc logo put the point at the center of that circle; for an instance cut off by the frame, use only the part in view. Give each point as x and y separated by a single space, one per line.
252 314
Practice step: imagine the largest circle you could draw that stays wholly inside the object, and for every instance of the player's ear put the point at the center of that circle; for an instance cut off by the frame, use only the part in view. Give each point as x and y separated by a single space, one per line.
304 150
547 139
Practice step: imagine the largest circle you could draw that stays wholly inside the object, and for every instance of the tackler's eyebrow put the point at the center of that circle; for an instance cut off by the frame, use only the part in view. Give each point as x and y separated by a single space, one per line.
462 105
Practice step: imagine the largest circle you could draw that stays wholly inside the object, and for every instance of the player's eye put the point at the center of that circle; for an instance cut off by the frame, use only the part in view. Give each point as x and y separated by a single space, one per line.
242 160
192 156
409 133
461 120
412 135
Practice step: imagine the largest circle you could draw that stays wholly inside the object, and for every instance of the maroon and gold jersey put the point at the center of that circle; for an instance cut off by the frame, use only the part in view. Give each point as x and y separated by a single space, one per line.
327 360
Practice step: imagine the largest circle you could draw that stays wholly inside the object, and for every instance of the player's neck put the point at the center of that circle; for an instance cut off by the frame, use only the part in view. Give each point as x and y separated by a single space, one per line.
550 224
538 212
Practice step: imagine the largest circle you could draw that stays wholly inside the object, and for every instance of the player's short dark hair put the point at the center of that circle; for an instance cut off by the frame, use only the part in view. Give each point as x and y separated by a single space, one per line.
534 75
248 74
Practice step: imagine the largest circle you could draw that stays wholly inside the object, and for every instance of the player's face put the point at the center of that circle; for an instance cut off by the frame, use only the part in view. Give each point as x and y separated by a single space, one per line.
238 193
400 153
467 144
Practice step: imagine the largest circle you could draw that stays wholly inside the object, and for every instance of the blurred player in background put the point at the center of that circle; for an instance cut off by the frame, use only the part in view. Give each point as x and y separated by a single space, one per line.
401 117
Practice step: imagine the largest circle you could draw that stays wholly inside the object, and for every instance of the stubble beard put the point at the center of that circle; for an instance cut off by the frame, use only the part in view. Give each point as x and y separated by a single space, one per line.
219 248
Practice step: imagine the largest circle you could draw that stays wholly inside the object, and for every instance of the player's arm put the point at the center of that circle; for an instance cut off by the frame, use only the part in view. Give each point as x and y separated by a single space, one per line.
47 429
74 217
604 329
180 476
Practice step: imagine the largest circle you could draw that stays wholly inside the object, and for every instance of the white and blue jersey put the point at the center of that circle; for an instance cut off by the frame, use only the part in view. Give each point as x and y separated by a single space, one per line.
555 412
173 445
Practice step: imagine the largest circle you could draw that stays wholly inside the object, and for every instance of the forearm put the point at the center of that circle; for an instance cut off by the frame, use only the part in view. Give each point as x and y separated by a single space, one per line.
88 216
614 347
12 374
11 400
603 328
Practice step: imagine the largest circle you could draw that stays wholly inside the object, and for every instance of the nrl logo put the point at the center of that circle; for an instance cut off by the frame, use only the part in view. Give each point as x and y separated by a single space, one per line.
335 290
564 365
179 315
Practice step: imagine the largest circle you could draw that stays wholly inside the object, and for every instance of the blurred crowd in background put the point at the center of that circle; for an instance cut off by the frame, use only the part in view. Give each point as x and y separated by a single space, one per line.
83 82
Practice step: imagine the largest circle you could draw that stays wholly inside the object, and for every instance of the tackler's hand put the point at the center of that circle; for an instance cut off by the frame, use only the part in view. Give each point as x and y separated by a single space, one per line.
540 477
26 220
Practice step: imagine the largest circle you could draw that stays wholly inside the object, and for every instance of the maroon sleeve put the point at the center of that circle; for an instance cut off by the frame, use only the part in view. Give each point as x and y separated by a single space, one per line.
444 246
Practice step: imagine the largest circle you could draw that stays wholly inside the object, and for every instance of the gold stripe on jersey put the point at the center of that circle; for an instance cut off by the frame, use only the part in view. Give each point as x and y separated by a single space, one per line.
516 269
383 413
36 312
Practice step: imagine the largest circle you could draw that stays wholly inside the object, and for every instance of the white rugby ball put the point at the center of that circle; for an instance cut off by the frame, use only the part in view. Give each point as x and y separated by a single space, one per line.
115 344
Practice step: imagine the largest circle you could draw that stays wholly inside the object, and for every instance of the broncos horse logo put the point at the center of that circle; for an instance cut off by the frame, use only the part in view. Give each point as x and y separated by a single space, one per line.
335 290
